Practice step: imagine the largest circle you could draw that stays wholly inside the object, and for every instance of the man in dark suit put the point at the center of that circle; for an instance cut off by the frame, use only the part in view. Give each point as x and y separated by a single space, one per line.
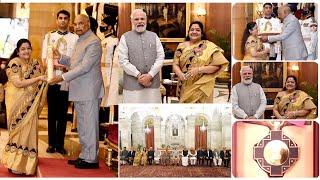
209 156
150 155
223 156
200 156
124 156
227 158
131 155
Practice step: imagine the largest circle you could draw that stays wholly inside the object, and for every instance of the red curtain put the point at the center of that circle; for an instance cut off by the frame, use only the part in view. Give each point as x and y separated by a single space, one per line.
200 138
150 138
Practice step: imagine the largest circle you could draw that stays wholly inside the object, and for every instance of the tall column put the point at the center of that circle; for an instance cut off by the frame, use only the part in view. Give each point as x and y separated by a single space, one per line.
226 131
157 132
215 133
190 133
125 130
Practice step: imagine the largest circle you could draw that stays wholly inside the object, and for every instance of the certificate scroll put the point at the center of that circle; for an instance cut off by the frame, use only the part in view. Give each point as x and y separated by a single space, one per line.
50 63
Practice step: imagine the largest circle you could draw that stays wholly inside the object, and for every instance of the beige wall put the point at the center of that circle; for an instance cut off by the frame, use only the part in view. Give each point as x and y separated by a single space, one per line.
42 20
242 14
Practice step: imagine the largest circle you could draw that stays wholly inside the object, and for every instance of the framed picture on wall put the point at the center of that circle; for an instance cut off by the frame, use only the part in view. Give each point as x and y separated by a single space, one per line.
169 21
270 75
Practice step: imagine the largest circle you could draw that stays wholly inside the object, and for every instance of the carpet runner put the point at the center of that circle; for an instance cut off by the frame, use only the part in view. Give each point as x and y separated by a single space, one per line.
173 171
48 167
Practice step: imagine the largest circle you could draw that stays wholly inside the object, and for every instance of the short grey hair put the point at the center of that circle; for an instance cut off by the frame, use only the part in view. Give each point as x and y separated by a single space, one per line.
136 11
245 67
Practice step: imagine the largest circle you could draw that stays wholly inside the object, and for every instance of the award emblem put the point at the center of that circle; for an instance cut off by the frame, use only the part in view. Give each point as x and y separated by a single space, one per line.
276 152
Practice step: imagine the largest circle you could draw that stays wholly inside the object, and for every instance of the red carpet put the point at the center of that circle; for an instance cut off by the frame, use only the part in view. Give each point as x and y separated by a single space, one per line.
173 171
4 173
59 168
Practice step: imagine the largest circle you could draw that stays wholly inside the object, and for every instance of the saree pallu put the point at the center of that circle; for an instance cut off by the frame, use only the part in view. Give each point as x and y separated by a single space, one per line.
297 100
23 108
198 89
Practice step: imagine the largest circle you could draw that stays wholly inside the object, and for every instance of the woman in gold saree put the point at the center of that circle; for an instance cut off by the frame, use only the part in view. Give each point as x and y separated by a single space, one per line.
292 103
197 62
144 157
25 95
253 48
137 157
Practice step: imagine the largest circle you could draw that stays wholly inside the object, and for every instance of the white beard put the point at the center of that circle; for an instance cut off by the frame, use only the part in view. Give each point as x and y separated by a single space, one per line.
141 29
248 81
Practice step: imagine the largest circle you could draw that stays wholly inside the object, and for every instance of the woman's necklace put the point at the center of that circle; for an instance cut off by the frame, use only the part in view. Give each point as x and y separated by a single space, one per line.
276 152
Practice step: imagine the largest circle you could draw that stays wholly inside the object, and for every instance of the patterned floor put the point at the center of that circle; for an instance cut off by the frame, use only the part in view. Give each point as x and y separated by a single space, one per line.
173 171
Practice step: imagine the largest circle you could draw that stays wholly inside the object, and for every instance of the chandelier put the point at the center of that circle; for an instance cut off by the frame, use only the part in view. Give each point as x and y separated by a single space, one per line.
203 127
147 129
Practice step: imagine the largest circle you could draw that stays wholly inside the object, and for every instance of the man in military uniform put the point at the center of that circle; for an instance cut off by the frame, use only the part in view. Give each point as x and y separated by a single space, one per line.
64 41
305 21
269 24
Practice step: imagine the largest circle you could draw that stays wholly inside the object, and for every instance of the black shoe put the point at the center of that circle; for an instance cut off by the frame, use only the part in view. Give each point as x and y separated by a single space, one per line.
85 165
51 149
74 130
74 161
61 151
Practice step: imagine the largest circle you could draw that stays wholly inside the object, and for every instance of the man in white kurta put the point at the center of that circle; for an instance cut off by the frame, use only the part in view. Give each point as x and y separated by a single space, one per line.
141 56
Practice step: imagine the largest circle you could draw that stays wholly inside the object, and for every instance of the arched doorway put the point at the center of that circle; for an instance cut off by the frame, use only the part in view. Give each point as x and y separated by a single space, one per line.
175 131
201 128
149 131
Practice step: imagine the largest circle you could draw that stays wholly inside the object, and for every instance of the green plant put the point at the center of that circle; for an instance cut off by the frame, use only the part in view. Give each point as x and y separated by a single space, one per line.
224 42
139 147
311 90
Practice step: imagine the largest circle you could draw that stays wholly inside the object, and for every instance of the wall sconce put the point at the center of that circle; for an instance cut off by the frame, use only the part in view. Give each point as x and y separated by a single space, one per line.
200 12
295 67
